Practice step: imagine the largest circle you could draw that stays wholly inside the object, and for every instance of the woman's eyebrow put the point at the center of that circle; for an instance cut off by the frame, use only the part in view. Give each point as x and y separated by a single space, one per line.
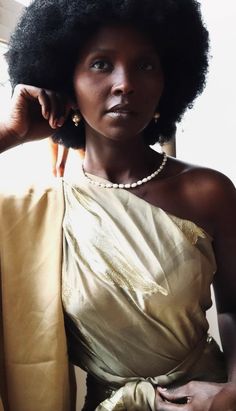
102 50
143 51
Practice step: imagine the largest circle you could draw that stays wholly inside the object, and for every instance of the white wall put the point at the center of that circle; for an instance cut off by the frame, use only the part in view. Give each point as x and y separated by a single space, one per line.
9 10
208 133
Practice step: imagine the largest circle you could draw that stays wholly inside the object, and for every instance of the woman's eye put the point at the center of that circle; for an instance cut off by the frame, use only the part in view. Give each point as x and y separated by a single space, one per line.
146 66
100 65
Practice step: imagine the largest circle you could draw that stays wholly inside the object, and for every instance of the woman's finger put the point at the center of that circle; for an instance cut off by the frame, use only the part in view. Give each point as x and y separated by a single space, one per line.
175 394
45 104
26 92
164 405
167 406
57 108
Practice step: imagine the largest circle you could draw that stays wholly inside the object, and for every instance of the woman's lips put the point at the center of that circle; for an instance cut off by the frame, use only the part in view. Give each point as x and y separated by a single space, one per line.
122 111
123 114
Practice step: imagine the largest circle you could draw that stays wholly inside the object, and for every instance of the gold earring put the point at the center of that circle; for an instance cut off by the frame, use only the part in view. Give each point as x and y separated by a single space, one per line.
76 118
156 117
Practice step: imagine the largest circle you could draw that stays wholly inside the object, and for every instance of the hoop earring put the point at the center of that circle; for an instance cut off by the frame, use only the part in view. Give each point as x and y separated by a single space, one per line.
156 117
76 118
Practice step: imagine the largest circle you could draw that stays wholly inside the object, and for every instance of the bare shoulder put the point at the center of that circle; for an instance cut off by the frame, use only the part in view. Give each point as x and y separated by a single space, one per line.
210 194
208 182
197 181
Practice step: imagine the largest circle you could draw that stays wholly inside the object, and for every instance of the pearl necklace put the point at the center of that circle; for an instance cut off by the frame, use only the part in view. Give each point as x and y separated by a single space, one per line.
131 185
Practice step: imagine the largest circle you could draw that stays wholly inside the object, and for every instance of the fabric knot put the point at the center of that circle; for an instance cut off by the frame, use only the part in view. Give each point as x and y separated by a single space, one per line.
136 395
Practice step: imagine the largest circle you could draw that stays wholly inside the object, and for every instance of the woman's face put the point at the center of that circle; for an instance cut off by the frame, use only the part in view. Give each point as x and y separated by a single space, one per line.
118 82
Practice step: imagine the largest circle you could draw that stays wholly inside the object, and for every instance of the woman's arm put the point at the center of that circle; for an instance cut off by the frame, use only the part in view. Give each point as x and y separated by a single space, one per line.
218 197
225 278
7 139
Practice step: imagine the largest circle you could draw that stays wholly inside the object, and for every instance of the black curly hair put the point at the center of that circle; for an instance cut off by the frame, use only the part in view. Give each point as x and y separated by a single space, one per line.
45 45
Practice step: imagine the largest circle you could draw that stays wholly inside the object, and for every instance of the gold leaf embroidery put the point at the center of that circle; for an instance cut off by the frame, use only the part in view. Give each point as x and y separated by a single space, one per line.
191 231
132 282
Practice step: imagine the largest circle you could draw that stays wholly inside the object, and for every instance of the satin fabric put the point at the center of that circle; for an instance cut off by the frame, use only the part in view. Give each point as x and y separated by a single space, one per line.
33 351
136 287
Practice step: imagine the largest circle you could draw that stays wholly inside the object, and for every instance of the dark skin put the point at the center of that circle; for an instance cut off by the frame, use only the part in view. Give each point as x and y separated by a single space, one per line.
122 67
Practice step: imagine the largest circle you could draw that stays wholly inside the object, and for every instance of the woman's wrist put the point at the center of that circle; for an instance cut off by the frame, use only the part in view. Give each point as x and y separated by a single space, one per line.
8 139
225 399
231 387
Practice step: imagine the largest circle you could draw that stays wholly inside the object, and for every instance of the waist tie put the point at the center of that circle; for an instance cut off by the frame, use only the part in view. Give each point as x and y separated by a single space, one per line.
138 394
133 396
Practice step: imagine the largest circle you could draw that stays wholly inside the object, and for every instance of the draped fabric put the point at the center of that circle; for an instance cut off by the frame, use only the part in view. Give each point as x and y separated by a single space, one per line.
136 286
33 352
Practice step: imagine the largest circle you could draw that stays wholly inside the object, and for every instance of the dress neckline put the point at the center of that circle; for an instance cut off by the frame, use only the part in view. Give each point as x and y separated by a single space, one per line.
81 180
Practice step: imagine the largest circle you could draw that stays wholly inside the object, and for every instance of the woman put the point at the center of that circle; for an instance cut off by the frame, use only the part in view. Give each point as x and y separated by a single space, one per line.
143 236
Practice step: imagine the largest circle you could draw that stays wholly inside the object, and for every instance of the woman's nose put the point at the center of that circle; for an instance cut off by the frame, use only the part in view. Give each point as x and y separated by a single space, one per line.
122 82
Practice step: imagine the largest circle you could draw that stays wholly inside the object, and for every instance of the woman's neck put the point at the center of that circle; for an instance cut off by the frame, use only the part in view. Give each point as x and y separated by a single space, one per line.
120 161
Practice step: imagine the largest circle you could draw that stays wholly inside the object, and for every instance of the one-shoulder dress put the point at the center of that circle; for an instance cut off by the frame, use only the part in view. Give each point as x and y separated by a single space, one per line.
135 286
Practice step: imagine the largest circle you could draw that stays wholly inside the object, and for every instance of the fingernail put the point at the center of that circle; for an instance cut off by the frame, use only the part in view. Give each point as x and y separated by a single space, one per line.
46 115
60 122
162 389
53 125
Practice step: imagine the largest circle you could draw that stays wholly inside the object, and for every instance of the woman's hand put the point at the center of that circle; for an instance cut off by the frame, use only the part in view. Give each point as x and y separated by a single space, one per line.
35 113
197 396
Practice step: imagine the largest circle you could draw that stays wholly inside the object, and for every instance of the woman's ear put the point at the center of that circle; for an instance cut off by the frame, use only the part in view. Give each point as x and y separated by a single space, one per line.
73 105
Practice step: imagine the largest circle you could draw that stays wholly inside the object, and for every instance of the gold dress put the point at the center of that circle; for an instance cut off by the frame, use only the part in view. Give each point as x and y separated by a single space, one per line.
136 287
